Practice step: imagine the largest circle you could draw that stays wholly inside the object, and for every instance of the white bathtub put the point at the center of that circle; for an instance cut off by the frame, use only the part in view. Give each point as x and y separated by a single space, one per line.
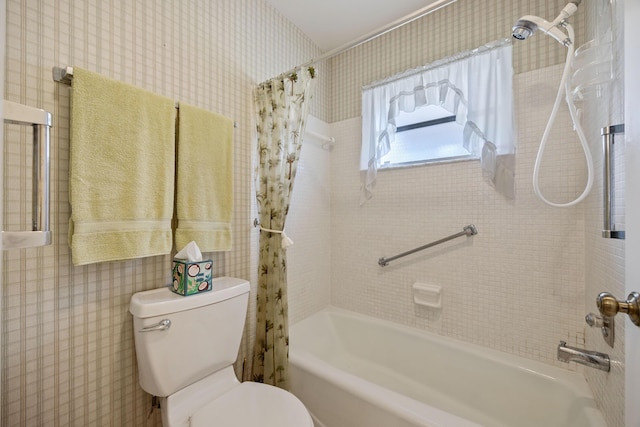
352 370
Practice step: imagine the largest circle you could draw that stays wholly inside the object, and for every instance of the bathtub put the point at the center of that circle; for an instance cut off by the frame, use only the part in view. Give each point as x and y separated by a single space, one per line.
352 370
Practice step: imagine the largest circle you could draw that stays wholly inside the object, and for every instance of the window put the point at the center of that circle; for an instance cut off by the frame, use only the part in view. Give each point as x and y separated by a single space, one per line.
465 103
427 135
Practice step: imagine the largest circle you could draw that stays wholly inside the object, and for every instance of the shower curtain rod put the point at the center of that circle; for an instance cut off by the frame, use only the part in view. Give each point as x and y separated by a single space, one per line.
440 63
438 4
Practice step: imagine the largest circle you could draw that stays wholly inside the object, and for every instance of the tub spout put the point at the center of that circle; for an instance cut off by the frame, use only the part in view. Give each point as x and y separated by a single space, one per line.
592 359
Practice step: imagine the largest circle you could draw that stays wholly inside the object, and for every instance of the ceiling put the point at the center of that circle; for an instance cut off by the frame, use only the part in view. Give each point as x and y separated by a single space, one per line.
334 23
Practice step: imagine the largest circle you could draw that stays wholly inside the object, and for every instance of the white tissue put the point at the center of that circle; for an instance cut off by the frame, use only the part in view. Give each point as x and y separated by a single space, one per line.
191 252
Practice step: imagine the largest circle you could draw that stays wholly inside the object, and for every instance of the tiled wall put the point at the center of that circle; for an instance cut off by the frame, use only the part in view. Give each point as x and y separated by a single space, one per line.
527 258
309 225
67 348
605 258
519 285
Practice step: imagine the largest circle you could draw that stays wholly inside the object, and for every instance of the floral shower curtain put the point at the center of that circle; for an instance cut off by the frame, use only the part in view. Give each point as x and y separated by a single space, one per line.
281 107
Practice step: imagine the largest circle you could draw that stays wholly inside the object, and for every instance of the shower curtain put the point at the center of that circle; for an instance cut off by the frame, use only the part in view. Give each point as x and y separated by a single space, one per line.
281 106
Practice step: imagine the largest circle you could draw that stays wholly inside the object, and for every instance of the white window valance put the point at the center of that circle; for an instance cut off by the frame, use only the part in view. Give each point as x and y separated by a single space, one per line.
475 86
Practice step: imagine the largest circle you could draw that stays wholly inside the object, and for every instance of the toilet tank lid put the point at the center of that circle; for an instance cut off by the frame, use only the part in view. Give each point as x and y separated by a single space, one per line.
157 302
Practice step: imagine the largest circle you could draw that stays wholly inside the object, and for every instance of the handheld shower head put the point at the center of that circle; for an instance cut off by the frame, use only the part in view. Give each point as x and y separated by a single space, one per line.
523 29
526 26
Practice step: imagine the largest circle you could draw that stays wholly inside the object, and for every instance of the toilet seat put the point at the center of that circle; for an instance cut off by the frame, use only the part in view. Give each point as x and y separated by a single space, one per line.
253 404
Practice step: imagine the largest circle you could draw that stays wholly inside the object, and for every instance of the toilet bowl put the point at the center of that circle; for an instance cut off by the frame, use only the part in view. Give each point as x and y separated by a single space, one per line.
186 347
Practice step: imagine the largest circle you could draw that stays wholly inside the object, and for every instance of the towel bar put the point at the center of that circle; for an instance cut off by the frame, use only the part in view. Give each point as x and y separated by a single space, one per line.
41 121
65 76
326 141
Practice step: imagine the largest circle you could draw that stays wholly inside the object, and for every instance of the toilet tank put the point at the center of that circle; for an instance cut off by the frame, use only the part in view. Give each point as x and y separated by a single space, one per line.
204 335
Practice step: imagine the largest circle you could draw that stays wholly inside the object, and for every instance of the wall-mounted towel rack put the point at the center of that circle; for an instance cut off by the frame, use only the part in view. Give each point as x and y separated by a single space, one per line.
469 230
40 120
321 137
609 228
65 76
325 140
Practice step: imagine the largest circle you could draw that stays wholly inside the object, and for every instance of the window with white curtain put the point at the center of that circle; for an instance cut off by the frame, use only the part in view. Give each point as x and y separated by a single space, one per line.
429 134
472 94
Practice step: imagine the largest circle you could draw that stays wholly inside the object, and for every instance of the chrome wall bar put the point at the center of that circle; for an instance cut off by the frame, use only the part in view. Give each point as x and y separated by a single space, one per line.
609 229
469 230
65 76
41 122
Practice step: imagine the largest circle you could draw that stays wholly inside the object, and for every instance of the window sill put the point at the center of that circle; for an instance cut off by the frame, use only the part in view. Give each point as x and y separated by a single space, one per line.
457 159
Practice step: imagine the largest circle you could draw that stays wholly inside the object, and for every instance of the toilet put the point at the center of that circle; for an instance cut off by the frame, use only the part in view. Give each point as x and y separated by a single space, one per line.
186 347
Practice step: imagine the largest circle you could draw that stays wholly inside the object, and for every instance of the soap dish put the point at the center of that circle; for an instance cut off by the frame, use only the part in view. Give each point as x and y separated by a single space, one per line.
427 295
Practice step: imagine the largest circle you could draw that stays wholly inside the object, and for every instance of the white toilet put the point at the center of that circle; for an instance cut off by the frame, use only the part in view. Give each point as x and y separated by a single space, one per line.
186 347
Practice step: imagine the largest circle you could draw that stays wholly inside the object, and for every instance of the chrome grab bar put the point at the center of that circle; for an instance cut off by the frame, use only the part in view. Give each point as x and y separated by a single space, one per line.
609 228
40 235
469 230
163 325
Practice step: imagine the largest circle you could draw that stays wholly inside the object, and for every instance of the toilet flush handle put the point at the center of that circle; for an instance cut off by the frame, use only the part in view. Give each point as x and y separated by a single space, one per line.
163 325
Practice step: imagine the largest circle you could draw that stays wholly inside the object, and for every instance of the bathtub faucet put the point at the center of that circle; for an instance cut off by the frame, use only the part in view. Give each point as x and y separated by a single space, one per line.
593 359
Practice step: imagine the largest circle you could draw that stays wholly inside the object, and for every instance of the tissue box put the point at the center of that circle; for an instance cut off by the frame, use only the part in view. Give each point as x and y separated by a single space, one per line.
191 277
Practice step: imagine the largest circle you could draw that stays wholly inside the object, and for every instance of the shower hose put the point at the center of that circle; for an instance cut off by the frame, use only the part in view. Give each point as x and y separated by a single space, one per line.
566 90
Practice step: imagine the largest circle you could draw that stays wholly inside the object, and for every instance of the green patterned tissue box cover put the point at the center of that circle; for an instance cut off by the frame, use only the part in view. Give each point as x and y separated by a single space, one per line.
191 277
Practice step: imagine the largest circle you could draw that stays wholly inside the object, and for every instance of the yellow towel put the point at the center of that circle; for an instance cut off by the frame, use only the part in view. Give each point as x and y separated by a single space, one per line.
204 181
121 177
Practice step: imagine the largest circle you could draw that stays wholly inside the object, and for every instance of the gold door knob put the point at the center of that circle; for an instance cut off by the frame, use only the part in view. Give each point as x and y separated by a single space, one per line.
609 306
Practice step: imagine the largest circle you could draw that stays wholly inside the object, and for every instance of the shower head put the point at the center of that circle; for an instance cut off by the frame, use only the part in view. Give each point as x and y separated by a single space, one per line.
526 26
